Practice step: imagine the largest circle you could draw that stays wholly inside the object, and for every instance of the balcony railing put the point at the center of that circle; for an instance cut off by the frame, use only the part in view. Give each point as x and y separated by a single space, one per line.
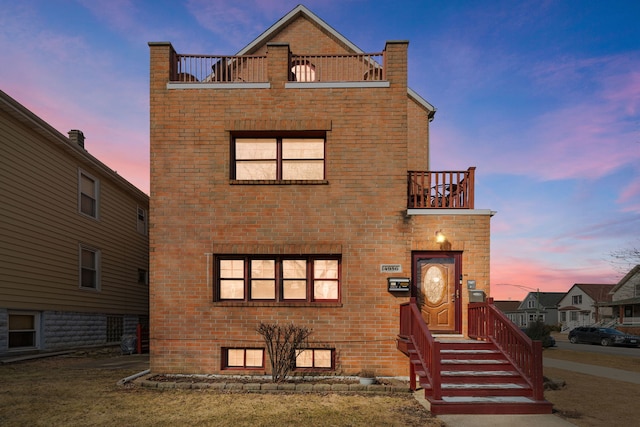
301 68
213 69
337 68
441 190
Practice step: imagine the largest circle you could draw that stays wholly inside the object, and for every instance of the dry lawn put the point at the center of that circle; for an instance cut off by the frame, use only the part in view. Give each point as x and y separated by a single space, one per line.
55 392
587 400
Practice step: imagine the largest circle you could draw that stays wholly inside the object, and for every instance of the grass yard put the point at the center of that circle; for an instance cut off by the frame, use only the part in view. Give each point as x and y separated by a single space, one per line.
56 392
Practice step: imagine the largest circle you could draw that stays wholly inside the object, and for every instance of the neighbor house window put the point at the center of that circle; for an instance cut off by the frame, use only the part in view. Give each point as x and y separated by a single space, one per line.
315 358
576 299
143 277
115 328
531 303
89 268
573 316
283 279
563 316
279 159
142 220
242 358
637 290
23 330
88 194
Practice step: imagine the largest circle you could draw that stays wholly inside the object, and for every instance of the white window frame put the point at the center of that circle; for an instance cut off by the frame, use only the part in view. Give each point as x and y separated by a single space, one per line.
531 303
576 299
96 198
97 260
36 330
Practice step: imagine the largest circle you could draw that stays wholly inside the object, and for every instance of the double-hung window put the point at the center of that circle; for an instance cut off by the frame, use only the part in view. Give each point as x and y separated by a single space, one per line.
576 299
281 279
23 330
89 268
88 188
279 159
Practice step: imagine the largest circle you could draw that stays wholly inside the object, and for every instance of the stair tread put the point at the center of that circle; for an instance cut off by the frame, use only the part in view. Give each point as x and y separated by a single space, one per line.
483 386
470 351
475 361
479 373
487 399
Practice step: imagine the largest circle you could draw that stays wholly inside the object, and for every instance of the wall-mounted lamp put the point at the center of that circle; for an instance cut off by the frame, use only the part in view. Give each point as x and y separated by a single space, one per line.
397 284
440 237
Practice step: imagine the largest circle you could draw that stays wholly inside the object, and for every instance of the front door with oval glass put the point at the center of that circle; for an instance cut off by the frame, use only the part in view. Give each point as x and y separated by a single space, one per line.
437 290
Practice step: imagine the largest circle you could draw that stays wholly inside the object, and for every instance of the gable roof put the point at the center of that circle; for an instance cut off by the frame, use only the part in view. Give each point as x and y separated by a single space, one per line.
506 306
301 11
635 270
27 118
547 299
597 292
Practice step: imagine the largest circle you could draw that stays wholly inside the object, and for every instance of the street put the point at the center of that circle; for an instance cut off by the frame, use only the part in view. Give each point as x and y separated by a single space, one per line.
593 348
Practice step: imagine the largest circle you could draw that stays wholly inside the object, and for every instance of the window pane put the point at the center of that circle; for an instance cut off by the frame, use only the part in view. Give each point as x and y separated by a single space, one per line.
325 269
87 205
256 170
88 259
304 359
263 289
21 321
294 289
231 289
325 289
306 169
232 268
294 269
87 186
22 339
302 148
235 357
322 358
251 149
263 269
88 279
254 358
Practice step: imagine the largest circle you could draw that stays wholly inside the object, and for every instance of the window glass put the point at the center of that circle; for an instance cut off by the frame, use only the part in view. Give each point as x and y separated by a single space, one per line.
235 357
324 289
256 148
231 279
22 331
260 288
304 359
88 268
88 195
254 358
322 358
244 357
294 284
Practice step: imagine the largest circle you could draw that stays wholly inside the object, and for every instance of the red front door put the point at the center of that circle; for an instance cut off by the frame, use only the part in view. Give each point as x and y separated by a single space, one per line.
436 278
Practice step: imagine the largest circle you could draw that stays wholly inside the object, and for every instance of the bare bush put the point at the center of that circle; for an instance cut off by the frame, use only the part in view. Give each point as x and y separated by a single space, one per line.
282 343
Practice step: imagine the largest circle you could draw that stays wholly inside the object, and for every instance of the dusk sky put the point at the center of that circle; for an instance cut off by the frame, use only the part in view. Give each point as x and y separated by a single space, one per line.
543 97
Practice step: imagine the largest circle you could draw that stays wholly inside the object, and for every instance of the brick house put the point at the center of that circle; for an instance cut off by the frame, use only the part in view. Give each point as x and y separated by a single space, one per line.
291 183
74 246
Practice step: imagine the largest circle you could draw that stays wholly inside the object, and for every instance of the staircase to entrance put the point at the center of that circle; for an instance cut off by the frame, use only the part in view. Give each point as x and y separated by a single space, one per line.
498 370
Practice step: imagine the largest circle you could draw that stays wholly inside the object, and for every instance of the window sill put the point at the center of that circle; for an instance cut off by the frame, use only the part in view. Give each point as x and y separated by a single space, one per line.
281 182
276 304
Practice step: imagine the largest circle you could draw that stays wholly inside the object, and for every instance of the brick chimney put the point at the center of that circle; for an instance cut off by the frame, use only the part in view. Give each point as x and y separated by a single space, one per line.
77 136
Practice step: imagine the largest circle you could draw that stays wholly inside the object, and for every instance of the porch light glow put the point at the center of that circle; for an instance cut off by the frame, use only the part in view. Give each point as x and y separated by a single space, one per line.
440 237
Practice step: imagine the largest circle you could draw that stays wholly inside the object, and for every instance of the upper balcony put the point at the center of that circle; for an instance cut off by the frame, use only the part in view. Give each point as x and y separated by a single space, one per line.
441 190
357 67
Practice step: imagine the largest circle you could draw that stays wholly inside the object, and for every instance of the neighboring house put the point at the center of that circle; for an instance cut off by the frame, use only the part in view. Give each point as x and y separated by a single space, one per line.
539 305
73 241
509 308
291 183
581 305
625 299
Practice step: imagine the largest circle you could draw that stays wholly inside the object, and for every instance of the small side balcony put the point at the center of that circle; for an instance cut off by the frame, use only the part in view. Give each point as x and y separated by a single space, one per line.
441 190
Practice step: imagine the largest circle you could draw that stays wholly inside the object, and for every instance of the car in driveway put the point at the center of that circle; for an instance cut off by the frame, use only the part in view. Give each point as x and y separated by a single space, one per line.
602 336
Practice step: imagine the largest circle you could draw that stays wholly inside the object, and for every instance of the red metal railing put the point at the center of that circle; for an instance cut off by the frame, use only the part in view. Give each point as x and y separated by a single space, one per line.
142 342
217 69
488 323
443 190
337 68
413 327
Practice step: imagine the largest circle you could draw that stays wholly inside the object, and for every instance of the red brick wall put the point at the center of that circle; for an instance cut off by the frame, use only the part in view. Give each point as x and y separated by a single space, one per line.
196 211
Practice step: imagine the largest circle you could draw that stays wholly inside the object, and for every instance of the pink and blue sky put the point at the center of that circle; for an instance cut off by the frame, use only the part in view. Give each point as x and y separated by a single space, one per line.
543 97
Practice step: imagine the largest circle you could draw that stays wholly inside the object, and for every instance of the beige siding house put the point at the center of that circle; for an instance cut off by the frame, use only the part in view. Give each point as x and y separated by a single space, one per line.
73 241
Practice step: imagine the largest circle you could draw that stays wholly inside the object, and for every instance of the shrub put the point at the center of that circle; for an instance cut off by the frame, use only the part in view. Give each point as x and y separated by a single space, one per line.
282 343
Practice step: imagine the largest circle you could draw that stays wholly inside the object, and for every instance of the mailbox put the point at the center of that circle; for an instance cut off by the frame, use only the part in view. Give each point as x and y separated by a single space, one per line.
398 284
476 296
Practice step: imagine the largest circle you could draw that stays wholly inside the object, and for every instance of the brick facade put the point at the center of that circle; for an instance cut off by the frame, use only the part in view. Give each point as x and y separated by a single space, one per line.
373 136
